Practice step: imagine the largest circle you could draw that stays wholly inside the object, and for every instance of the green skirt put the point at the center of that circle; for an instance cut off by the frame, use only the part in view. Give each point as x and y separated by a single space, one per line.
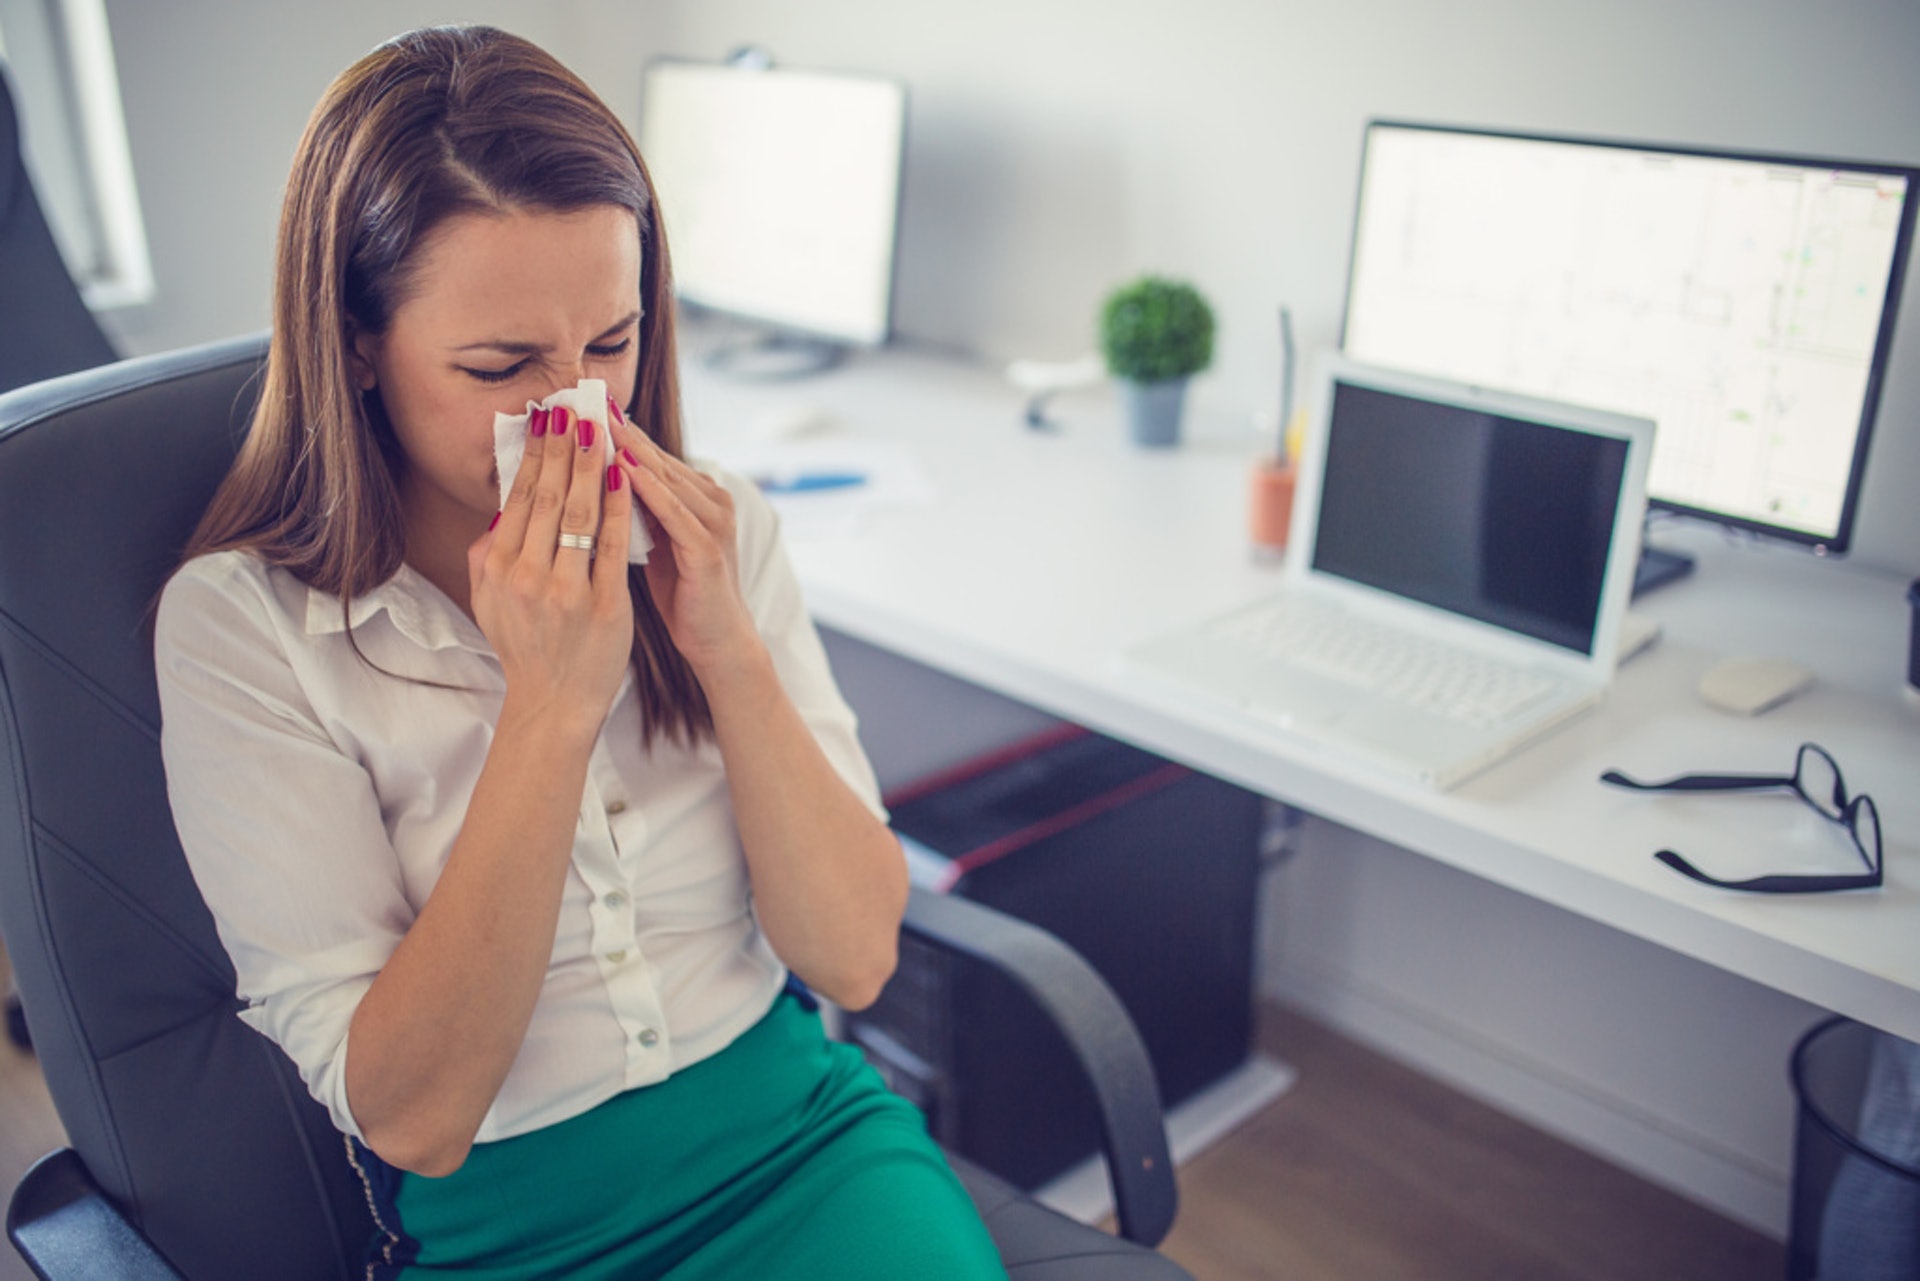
783 1156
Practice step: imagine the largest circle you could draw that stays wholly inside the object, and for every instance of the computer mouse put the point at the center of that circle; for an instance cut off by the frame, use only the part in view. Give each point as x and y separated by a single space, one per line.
792 422
1747 684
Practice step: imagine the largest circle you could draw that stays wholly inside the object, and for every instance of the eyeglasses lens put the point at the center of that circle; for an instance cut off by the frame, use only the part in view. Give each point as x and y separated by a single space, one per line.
1818 779
1866 828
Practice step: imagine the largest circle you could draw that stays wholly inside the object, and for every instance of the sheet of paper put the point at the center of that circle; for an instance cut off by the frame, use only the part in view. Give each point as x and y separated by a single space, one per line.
826 487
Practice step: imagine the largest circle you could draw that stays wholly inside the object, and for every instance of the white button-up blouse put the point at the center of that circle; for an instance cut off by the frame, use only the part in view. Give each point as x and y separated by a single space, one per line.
317 798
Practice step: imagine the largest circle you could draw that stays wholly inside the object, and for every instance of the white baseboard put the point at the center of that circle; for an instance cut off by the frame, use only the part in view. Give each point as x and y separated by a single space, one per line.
1084 1192
1689 1164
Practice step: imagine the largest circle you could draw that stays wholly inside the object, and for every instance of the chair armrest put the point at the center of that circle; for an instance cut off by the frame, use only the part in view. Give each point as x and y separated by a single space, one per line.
67 1229
1097 1029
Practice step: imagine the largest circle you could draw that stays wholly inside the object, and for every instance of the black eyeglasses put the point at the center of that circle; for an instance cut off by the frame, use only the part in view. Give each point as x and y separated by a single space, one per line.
1817 779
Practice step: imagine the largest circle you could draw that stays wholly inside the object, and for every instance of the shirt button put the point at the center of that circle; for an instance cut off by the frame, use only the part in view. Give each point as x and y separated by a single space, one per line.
617 957
615 899
616 807
649 1037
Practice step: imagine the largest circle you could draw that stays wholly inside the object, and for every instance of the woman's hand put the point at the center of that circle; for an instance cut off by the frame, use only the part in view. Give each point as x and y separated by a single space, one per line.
559 617
694 571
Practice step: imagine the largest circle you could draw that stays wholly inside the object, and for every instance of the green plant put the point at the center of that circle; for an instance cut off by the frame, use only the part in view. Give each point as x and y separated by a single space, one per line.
1153 329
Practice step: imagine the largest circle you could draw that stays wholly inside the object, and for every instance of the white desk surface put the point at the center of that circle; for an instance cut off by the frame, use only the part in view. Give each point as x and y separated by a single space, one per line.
1035 559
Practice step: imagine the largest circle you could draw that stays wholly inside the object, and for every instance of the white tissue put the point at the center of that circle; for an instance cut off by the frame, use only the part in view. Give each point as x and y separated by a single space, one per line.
586 400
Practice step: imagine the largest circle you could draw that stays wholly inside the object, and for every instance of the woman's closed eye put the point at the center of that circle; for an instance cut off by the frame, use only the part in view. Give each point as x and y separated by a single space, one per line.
495 375
595 351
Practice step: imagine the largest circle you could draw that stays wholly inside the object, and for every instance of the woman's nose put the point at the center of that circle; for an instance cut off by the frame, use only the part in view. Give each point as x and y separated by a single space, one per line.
565 378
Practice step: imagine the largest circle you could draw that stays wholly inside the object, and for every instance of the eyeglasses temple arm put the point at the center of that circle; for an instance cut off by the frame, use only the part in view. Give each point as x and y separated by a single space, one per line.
1700 782
1773 884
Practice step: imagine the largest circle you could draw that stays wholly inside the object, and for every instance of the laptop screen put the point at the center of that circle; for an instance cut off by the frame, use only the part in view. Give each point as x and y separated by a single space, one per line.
1498 519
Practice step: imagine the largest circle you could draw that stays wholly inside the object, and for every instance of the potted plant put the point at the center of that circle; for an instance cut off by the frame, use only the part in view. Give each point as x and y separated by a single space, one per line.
1155 334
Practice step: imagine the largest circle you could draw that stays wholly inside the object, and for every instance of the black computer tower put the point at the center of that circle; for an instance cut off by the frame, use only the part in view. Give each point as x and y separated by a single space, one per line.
1147 868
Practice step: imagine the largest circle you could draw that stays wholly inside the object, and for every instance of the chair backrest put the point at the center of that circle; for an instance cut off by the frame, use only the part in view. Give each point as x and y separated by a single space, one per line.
45 329
199 1127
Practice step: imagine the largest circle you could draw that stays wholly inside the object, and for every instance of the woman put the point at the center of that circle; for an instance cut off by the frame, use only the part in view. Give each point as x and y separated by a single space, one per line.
514 847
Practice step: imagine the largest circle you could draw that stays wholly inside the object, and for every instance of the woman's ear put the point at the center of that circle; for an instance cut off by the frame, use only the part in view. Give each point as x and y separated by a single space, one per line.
362 351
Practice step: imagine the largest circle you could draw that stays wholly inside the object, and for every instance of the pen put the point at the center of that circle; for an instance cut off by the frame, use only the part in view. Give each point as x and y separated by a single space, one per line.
809 482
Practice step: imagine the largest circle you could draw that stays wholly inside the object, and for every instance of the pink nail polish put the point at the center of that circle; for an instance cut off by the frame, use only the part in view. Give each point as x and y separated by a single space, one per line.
537 423
614 409
586 433
613 479
557 421
494 521
631 460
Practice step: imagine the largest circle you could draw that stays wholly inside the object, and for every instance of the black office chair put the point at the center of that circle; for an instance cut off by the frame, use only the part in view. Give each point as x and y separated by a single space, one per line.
196 1151
45 329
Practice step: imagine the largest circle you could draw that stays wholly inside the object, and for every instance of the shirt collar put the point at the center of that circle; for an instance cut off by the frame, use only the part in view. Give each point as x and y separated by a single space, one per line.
418 610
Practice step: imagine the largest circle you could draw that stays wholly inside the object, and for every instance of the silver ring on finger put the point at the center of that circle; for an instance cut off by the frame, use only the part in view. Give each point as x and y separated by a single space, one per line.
578 542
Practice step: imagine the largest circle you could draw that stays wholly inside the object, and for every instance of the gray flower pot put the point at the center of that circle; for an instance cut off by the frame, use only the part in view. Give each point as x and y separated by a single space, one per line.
1153 411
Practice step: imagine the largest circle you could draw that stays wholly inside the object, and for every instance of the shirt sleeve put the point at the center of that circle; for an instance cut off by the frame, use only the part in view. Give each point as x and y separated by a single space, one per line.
772 593
281 828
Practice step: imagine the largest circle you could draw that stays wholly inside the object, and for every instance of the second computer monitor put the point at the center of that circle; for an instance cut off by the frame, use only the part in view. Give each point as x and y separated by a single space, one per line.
1744 303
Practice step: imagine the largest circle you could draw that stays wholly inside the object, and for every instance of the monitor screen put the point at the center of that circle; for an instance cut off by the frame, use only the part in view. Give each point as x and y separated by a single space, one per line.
1495 518
1744 303
780 191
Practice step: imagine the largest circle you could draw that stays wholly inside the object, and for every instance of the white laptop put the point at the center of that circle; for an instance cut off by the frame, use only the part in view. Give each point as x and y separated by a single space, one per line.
1457 574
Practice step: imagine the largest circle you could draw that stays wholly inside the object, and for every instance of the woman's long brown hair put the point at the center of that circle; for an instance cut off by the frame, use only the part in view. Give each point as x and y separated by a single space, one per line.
434 123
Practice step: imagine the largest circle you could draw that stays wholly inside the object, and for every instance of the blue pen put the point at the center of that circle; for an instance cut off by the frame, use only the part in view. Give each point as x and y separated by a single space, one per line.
810 482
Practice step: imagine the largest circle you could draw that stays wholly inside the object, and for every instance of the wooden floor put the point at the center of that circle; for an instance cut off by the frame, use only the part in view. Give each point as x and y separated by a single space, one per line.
1365 1169
1362 1170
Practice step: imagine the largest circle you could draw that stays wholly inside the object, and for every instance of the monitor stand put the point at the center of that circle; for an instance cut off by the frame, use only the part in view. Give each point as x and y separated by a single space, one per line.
1657 567
771 356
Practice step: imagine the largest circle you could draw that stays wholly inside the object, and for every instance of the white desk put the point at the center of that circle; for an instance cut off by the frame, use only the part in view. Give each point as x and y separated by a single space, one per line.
1039 557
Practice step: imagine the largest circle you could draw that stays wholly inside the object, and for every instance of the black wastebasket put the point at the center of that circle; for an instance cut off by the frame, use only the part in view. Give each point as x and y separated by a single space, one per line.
1856 1159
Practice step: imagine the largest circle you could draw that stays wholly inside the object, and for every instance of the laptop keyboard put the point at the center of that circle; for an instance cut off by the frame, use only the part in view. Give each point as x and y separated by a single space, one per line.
1393 663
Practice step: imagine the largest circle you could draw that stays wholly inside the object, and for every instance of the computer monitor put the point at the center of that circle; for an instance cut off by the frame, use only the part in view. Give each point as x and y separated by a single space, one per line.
1743 302
780 191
